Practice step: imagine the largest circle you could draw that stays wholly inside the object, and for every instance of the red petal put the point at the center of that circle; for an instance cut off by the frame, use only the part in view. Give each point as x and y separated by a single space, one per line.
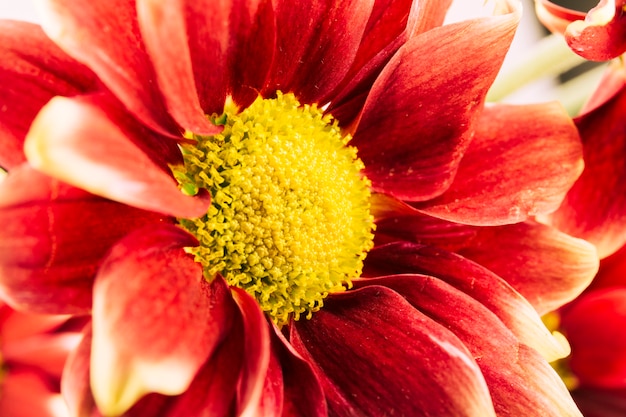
213 391
376 355
92 144
199 58
53 239
75 381
410 142
599 402
390 25
555 17
313 55
612 271
106 38
77 393
46 352
424 229
16 325
547 267
593 325
520 381
595 207
156 320
534 156
27 394
473 279
256 357
602 35
303 393
164 27
32 71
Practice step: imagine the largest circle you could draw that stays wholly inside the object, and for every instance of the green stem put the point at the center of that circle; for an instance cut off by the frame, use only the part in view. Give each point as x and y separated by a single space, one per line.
548 58
574 93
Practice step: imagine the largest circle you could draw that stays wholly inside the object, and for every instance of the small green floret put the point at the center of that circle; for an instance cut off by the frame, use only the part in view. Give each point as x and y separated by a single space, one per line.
290 218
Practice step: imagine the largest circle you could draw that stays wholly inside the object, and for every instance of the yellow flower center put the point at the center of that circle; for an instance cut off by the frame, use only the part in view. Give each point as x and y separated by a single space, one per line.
290 218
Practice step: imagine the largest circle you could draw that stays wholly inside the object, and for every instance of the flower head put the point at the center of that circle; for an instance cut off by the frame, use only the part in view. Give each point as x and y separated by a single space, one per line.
271 207
599 35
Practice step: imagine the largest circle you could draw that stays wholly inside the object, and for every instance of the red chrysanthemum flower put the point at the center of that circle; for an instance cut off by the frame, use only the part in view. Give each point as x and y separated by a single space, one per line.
595 208
33 350
599 35
140 112
593 323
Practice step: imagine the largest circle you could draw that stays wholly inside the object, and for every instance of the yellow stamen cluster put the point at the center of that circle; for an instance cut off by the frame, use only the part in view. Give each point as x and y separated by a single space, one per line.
289 220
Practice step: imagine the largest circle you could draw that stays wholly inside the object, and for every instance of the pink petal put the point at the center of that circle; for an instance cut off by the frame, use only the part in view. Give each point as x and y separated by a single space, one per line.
256 357
593 326
602 35
313 54
411 143
115 52
32 71
376 355
92 144
53 239
199 59
520 381
595 207
473 279
547 267
156 320
521 162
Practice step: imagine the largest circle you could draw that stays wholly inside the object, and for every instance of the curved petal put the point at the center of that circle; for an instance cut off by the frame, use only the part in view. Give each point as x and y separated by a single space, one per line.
595 207
115 52
602 35
425 230
473 279
303 393
213 390
17 325
555 17
91 144
547 267
32 71
521 163
390 25
52 240
156 320
612 271
520 381
593 325
199 59
45 352
256 357
313 55
26 394
77 391
375 355
410 142
599 402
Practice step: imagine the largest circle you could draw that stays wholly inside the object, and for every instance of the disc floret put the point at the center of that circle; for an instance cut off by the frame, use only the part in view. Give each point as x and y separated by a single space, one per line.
290 219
